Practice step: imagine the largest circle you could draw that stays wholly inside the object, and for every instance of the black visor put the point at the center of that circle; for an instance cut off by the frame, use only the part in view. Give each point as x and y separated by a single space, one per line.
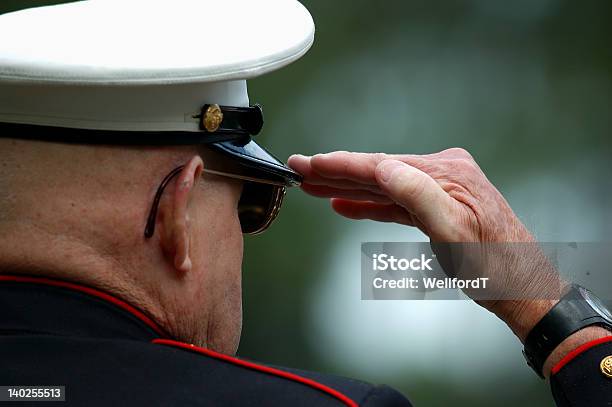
257 162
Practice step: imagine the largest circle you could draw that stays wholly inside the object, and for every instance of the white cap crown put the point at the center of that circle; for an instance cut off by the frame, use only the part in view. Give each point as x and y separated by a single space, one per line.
141 64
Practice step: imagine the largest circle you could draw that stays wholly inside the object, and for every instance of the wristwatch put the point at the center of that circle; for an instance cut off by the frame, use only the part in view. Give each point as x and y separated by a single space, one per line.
577 309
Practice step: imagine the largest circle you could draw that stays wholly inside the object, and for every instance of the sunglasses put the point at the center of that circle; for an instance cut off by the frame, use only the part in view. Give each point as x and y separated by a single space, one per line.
259 204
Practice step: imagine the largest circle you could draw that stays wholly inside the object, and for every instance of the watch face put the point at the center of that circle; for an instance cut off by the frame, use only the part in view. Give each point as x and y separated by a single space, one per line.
596 304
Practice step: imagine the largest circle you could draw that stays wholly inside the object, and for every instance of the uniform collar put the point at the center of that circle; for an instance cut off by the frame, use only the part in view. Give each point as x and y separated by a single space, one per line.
38 305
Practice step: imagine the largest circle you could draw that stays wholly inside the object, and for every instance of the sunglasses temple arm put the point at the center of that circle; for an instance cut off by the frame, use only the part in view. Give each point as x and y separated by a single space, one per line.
150 227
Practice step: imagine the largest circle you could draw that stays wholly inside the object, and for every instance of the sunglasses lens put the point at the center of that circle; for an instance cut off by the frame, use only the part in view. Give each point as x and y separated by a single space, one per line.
258 206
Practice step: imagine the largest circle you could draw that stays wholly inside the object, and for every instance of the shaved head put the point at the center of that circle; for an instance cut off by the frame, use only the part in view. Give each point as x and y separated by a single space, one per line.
71 190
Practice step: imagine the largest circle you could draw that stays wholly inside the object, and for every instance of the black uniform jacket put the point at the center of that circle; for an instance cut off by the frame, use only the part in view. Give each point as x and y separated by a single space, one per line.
108 353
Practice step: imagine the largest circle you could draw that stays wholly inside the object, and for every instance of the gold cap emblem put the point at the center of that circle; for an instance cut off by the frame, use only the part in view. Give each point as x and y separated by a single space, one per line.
606 366
213 116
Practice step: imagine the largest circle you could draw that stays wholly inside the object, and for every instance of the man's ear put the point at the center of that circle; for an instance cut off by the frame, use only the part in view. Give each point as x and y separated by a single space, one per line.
174 215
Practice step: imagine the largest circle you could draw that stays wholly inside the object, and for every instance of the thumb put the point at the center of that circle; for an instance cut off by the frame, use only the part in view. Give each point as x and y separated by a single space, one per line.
419 194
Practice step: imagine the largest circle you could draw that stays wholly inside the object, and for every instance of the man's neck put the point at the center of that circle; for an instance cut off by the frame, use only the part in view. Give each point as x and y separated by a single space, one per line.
30 249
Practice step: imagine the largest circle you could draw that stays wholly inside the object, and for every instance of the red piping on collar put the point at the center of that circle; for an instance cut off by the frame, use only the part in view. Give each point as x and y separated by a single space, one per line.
265 369
570 356
91 291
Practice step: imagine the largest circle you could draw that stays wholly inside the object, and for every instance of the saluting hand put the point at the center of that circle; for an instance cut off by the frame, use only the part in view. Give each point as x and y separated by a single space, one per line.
448 197
445 194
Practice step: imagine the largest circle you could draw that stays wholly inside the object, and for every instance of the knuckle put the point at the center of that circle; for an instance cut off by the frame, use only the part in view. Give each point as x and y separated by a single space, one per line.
459 153
380 157
455 170
463 161
467 165
463 153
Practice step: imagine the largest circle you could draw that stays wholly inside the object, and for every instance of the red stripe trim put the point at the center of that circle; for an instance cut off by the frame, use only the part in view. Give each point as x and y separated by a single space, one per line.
570 356
265 369
91 291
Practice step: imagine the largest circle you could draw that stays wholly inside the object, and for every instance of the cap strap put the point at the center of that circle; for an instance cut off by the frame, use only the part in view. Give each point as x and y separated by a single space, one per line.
114 137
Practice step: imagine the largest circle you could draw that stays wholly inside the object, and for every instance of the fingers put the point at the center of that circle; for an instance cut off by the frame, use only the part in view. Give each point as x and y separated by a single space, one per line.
419 194
374 211
324 191
336 168
356 167
302 165
365 186
328 169
341 169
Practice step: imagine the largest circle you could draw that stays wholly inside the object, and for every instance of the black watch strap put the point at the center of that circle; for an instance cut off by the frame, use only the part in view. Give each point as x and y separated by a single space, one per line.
569 315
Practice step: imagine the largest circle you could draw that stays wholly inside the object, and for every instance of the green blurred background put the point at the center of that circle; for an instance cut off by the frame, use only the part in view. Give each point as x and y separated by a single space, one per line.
524 85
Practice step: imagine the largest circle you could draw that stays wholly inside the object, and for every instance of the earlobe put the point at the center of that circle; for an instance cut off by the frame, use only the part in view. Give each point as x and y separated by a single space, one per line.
176 231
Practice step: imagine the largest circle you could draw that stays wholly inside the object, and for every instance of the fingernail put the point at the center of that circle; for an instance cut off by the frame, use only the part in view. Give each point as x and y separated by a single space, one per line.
387 168
298 157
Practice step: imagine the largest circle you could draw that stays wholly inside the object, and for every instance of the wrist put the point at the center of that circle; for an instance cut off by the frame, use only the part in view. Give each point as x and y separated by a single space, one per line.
522 315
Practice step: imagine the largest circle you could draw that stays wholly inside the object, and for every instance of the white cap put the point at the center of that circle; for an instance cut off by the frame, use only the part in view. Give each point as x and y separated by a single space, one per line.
141 65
